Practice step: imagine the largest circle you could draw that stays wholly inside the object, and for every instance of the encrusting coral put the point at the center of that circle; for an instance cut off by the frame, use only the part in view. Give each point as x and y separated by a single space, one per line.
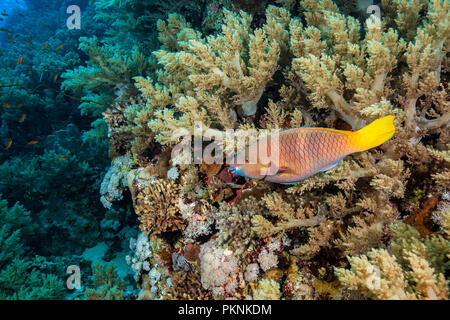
231 237
115 181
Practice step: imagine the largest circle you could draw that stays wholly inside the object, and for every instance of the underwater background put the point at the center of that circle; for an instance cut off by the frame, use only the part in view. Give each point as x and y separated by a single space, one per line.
94 206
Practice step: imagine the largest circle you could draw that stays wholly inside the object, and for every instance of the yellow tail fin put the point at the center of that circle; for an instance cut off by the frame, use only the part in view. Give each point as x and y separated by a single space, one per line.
373 134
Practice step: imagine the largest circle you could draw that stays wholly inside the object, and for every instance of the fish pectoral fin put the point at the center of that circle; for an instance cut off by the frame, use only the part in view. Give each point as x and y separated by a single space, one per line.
275 170
283 169
331 166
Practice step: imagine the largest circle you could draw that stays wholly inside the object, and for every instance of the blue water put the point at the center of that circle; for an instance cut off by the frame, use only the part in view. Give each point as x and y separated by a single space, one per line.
50 174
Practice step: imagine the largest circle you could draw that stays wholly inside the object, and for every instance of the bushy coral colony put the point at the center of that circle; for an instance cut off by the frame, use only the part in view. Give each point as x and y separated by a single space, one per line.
176 226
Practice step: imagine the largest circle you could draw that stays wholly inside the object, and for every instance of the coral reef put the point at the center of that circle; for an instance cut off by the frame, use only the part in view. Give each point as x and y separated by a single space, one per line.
170 85
326 68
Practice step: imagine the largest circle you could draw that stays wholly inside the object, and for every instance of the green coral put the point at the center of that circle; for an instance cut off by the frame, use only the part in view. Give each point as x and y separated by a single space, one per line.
418 196
19 281
15 223
19 277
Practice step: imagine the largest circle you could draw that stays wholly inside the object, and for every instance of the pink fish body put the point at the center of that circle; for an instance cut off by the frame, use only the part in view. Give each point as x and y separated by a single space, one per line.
295 154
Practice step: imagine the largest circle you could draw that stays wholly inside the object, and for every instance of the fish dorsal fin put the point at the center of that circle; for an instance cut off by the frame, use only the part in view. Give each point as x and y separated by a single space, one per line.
316 128
331 166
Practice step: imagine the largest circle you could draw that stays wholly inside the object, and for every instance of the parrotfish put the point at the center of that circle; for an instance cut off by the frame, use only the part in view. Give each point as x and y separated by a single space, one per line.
292 155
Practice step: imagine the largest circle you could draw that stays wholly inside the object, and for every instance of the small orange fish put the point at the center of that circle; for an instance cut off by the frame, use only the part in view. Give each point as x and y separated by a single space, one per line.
33 142
22 118
55 78
59 47
292 155
19 61
19 106
45 46
27 42
8 145
7 105
9 36
62 158
11 42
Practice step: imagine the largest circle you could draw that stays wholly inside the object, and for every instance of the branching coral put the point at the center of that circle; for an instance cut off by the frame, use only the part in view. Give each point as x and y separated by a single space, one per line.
414 271
217 62
157 208
288 217
234 224
108 285
187 286
232 69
